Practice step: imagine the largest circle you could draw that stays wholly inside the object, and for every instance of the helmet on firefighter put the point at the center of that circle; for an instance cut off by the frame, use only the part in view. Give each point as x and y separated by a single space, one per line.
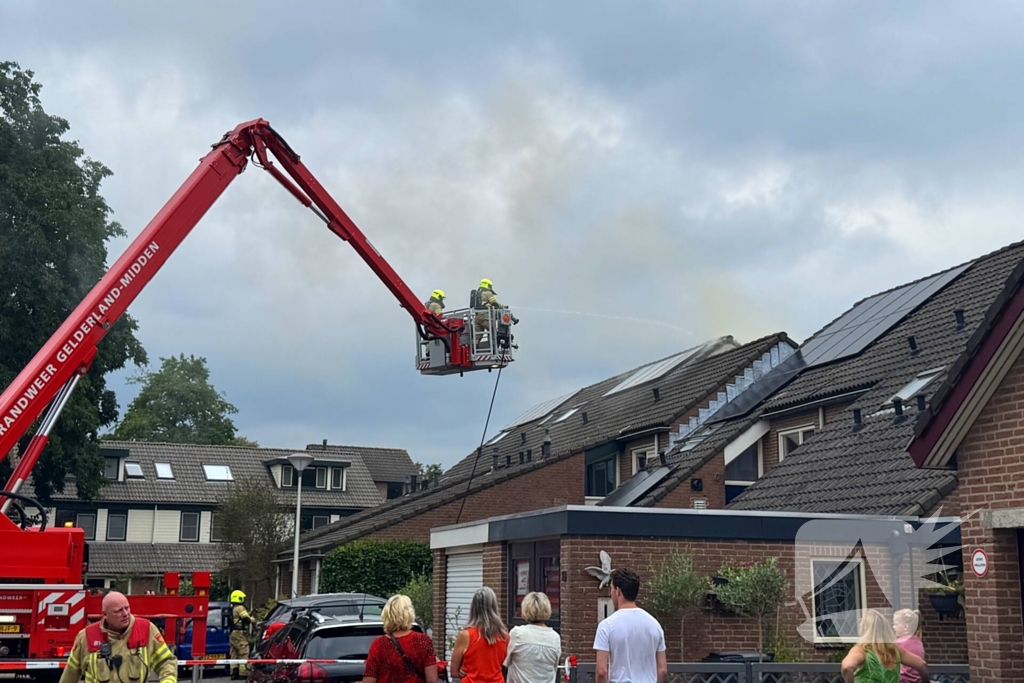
486 284
237 597
437 294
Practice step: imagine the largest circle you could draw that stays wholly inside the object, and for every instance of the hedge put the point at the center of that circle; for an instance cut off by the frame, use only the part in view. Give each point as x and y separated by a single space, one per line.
379 568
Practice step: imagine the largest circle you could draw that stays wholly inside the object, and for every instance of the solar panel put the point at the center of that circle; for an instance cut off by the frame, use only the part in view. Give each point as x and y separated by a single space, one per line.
539 411
653 371
871 318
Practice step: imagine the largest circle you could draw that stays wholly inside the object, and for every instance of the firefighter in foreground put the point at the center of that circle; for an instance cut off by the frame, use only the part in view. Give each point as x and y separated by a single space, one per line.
435 304
120 648
240 620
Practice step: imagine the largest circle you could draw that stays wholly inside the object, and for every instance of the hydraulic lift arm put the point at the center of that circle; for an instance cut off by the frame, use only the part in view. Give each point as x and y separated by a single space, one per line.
51 375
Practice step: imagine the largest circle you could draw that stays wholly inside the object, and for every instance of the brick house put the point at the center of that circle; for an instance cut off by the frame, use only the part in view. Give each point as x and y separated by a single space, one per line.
158 509
575 449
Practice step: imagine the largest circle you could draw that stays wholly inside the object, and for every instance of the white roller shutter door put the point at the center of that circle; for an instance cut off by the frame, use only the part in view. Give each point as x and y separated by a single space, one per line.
463 576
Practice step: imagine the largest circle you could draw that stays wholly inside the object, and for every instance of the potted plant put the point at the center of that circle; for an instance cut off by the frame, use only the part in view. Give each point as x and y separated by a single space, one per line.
945 594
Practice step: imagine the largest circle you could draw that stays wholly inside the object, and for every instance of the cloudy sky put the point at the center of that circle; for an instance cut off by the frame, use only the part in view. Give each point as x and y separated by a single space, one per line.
635 178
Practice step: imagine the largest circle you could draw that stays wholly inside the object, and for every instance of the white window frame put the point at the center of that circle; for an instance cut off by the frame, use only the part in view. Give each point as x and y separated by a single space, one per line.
129 475
225 469
110 516
810 427
922 379
342 477
645 451
213 525
321 473
861 579
760 467
181 526
170 470
289 481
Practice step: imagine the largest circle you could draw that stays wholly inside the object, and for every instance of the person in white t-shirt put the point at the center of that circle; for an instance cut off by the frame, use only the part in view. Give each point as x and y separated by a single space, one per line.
533 648
630 643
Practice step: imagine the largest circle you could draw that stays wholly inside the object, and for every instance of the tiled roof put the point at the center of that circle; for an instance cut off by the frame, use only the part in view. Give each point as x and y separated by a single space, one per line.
609 418
385 464
190 485
867 470
111 559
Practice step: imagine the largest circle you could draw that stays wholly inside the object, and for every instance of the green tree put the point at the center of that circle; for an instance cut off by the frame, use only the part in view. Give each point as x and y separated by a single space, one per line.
676 591
177 404
54 228
427 472
253 523
421 592
754 589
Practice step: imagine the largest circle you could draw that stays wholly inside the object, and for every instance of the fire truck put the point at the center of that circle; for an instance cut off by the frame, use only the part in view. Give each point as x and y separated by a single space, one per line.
43 599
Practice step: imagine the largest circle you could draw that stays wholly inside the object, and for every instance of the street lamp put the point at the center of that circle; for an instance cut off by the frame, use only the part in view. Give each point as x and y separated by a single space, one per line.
299 461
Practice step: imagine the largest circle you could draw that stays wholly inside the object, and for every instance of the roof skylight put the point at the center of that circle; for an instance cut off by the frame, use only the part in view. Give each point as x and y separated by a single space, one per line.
218 473
133 469
540 410
653 371
568 414
164 471
916 385
496 439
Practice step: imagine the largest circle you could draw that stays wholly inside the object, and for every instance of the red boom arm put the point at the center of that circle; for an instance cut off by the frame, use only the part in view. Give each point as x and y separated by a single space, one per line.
71 349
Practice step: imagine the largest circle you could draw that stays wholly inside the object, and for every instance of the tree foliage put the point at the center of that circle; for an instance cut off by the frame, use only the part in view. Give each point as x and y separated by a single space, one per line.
375 567
254 523
754 589
421 592
676 590
54 227
177 404
428 472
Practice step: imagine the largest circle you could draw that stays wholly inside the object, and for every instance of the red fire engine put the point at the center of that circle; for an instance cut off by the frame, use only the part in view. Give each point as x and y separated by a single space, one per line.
43 600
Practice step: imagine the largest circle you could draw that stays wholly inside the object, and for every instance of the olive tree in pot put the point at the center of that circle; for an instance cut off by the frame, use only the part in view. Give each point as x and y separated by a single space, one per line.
675 591
754 589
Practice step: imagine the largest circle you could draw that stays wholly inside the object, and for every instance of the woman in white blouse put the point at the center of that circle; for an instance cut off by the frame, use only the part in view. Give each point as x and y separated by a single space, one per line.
534 648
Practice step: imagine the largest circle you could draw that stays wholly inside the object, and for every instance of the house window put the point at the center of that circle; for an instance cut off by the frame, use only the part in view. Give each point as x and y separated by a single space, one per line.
133 469
218 473
321 477
338 478
309 477
839 588
535 567
320 520
742 471
642 459
110 468
86 521
287 476
395 490
117 526
189 527
216 527
917 385
791 439
164 471
601 477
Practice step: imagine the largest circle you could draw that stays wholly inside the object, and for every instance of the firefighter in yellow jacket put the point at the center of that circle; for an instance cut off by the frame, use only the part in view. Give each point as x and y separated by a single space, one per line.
120 648
240 620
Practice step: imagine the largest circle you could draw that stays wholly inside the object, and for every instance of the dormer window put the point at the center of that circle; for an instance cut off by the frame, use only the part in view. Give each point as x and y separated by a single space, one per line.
110 468
338 478
321 477
287 476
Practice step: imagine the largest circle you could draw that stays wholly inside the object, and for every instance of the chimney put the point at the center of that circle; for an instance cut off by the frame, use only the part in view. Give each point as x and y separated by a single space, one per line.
960 319
657 394
508 460
412 483
325 445
913 344
424 485
585 419
856 417
922 403
522 457
545 449
523 439
898 405
494 462
529 455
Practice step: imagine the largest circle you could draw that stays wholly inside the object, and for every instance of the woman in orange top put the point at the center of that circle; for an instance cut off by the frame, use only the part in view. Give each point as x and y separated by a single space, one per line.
481 647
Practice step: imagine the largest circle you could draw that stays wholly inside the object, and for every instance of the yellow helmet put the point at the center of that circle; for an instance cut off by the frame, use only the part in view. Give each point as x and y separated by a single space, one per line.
237 597
486 284
437 294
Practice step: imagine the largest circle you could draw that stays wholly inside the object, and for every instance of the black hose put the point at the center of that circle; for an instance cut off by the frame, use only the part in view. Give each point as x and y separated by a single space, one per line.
31 501
480 449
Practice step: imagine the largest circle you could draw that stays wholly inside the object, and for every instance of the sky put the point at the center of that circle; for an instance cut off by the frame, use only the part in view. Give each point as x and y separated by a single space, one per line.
635 178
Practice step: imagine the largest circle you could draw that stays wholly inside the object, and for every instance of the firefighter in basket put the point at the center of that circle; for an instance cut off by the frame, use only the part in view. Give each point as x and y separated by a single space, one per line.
486 301
120 648
240 620
435 304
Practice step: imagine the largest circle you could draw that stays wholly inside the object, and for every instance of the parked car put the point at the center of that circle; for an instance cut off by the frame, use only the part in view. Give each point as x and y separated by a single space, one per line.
217 626
310 635
327 604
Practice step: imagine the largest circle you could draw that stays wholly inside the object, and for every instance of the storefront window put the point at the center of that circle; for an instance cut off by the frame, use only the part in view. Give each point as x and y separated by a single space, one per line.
535 567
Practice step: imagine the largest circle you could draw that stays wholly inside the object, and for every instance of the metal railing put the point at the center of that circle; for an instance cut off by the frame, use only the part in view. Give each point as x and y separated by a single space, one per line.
486 331
754 672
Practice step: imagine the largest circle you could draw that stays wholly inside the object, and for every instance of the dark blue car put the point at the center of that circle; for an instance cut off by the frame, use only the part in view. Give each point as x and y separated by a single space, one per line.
217 646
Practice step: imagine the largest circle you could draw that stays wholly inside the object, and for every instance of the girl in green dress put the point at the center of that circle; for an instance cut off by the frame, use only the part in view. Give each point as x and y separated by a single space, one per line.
876 657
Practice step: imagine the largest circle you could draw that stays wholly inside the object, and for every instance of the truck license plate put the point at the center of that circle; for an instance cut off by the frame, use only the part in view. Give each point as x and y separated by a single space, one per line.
10 628
212 657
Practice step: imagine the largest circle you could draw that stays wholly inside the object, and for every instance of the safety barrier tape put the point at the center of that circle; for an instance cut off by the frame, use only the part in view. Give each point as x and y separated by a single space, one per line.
29 666
60 664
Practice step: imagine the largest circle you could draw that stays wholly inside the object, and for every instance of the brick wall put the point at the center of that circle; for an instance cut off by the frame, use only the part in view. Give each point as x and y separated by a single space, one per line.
712 476
990 462
945 640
